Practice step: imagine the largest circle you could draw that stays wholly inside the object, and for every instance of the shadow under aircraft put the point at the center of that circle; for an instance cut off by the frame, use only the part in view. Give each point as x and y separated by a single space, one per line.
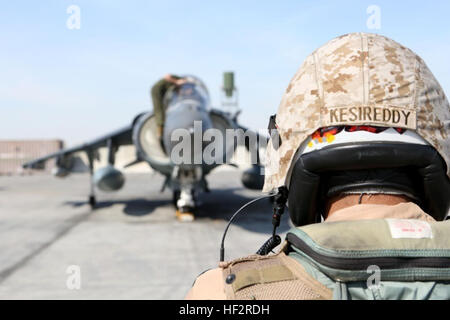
187 107
220 204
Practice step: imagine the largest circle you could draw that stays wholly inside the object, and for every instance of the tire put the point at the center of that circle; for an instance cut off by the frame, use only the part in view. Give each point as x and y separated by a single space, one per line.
92 202
175 197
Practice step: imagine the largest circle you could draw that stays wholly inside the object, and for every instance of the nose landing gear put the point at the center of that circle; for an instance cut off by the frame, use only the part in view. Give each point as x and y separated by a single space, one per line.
185 203
184 216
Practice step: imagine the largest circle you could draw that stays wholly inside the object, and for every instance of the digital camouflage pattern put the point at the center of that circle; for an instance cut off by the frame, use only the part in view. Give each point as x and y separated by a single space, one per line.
358 79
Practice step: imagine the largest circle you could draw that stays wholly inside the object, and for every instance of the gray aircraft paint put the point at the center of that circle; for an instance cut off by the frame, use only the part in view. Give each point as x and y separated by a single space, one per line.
185 106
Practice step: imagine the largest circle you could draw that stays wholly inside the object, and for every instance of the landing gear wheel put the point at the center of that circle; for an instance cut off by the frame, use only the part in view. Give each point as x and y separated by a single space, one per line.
175 197
185 214
92 202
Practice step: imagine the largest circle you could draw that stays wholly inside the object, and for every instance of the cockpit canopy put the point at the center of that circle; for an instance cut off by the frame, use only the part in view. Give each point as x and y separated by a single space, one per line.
194 89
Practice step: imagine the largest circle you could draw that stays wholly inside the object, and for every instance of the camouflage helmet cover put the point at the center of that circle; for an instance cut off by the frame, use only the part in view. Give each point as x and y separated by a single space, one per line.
358 79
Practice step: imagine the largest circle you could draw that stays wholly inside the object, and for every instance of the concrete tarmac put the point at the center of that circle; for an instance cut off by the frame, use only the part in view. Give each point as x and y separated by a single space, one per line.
130 247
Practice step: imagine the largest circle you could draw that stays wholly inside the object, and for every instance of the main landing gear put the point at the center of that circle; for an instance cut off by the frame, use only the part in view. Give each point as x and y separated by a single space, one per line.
91 200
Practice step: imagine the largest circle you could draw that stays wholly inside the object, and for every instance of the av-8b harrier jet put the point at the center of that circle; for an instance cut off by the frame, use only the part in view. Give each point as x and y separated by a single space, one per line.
188 111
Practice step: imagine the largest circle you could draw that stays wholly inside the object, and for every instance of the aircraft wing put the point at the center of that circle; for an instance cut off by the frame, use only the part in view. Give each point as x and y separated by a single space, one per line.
119 137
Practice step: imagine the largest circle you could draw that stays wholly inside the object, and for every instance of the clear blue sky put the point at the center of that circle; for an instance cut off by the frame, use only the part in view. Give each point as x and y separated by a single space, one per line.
77 84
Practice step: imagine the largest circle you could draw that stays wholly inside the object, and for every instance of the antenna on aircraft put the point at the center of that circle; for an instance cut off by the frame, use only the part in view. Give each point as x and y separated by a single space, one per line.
229 99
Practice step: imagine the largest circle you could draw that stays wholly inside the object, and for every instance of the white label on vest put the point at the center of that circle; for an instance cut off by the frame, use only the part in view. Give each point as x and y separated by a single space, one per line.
408 228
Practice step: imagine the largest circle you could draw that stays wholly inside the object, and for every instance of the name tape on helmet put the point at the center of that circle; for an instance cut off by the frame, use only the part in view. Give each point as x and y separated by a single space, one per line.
382 115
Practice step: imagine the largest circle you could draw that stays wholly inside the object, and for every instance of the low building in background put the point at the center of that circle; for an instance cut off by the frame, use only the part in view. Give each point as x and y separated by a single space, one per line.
13 153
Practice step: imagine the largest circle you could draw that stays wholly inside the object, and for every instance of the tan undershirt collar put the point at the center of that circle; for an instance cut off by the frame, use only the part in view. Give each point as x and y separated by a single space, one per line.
406 210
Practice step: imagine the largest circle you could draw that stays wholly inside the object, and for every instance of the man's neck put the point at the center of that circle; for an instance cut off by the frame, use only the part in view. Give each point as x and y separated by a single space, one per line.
344 201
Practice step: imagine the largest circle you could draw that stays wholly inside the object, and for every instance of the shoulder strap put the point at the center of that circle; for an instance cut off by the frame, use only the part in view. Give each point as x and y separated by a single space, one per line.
271 277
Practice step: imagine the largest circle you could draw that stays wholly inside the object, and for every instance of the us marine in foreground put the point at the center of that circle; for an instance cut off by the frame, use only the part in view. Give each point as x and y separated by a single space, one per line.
362 153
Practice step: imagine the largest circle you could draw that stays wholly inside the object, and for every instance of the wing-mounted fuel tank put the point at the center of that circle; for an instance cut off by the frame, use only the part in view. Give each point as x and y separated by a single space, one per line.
253 178
108 178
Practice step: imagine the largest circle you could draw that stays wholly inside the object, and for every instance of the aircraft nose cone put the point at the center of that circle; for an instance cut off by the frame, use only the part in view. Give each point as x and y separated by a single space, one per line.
183 135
